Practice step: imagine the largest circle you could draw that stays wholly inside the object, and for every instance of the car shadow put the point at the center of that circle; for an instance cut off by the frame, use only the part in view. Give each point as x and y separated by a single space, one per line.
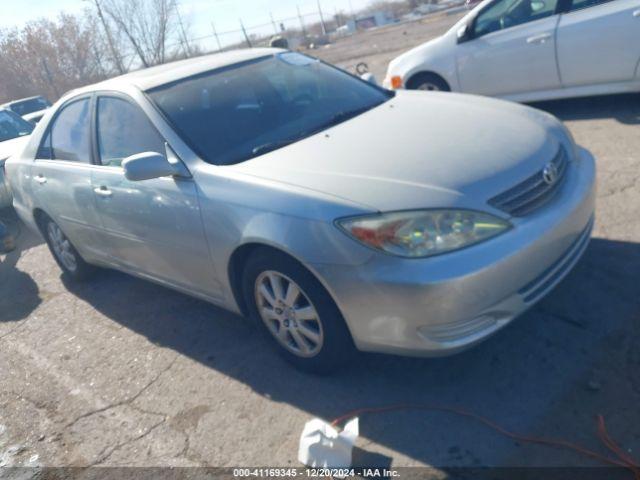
531 377
19 293
623 108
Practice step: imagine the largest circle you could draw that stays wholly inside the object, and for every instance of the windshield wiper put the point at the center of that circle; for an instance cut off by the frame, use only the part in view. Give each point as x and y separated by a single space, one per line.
271 146
346 115
334 120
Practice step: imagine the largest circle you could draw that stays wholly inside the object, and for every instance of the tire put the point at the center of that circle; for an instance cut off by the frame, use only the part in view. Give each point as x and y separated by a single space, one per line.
311 320
428 82
64 253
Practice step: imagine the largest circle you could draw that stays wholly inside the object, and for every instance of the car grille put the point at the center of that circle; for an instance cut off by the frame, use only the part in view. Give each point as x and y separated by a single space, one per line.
535 191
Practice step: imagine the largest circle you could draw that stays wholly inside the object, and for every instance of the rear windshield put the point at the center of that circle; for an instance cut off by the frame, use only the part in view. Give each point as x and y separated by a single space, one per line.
29 106
13 126
239 112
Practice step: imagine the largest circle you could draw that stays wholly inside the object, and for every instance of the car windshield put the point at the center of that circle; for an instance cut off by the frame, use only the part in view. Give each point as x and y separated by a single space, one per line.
236 113
26 107
13 126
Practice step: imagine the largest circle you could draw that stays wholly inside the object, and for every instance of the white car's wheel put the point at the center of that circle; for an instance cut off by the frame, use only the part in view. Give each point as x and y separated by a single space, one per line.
429 82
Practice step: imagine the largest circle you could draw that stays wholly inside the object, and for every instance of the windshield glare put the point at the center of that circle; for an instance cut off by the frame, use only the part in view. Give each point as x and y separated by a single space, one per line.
236 113
13 126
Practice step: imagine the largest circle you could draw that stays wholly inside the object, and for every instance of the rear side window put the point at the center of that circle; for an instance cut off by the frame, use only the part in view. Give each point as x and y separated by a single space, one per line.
124 130
582 4
68 136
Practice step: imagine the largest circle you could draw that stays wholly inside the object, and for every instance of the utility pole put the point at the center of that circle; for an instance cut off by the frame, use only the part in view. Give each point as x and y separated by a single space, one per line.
116 57
183 34
50 77
273 22
304 31
246 37
324 27
215 34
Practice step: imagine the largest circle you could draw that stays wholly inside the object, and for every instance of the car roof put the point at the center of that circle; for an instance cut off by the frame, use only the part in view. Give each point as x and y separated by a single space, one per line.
152 77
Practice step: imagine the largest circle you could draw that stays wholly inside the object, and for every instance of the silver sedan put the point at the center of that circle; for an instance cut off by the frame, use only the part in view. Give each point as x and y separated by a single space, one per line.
336 214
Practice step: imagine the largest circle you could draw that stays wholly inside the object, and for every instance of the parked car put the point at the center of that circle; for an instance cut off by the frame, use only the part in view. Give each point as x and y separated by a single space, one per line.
529 50
333 212
31 109
14 132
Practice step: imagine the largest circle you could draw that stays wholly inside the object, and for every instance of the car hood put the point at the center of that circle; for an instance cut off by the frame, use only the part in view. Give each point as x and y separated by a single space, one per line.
10 147
419 150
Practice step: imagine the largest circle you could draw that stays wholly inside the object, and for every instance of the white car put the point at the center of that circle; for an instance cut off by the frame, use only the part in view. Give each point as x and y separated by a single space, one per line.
14 134
530 50
31 109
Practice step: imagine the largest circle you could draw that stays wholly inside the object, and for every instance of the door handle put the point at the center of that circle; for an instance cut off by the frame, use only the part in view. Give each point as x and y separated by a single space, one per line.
543 37
103 191
40 179
636 13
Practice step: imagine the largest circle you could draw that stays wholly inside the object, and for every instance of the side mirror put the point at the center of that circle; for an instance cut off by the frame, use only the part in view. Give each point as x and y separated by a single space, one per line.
538 5
369 77
147 165
464 33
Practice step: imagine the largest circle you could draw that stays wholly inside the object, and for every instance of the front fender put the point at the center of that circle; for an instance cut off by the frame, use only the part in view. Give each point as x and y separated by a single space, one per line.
238 210
437 56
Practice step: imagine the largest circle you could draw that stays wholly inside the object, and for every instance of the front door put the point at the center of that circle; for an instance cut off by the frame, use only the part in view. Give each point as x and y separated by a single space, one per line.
511 50
599 42
153 227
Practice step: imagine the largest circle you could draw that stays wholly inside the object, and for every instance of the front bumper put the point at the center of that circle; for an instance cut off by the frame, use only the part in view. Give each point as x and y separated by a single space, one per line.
442 305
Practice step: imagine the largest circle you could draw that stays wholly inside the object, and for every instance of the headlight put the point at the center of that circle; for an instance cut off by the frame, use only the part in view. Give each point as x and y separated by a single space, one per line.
422 233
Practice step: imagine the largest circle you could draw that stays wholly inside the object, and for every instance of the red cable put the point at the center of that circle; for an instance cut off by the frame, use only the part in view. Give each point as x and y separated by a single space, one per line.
624 460
611 445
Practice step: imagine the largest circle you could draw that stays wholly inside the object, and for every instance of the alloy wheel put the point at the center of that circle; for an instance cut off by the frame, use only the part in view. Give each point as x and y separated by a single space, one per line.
288 314
430 87
62 247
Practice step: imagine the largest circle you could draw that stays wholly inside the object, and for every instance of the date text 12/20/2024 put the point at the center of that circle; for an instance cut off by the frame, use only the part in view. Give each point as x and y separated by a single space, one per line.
315 472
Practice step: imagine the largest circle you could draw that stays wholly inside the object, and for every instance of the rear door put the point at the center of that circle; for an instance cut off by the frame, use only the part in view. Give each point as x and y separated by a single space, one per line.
511 50
61 177
153 227
599 42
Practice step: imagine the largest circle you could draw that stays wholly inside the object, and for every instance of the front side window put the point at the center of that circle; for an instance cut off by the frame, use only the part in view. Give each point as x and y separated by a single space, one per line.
233 114
510 13
68 137
581 4
13 126
124 130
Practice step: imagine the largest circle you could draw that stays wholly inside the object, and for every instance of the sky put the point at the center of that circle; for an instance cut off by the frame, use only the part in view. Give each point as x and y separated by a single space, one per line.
199 14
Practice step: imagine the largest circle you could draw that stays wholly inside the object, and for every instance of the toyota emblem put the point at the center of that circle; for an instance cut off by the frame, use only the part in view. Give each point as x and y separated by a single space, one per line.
550 174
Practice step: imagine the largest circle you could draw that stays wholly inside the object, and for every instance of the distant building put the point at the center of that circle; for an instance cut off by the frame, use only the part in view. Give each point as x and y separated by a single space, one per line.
364 22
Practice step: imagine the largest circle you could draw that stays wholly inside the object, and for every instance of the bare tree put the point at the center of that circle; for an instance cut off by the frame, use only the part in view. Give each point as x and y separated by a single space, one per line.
109 39
153 28
48 57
